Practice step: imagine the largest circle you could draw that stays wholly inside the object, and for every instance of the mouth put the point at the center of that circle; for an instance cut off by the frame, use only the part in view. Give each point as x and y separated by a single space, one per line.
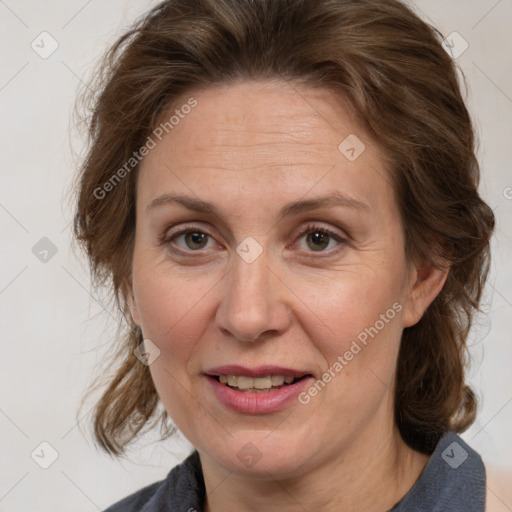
263 384
257 390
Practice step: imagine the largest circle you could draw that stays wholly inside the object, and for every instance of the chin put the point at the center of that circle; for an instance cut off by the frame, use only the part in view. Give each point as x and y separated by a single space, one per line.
261 457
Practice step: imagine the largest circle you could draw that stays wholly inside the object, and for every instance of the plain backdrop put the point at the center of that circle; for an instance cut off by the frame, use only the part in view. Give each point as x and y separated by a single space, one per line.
54 333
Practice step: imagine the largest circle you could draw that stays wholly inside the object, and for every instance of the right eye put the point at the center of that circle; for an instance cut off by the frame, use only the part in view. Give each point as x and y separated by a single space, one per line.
188 239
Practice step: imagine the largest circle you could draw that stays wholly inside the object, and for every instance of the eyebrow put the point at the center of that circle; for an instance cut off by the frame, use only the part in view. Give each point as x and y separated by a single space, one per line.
294 208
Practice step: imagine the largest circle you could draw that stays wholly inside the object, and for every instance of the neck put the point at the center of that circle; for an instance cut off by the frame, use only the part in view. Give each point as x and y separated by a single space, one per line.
372 474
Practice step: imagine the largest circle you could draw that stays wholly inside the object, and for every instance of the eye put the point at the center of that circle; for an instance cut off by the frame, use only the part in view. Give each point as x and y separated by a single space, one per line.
188 240
320 239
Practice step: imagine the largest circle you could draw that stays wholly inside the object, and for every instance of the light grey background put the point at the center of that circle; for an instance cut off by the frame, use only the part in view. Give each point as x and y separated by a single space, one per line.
54 333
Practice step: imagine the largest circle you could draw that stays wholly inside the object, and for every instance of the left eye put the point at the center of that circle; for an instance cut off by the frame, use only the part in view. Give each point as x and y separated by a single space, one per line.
319 239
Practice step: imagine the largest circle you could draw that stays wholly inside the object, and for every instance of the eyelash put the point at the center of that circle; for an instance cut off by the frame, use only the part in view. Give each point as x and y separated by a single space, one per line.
312 228
166 239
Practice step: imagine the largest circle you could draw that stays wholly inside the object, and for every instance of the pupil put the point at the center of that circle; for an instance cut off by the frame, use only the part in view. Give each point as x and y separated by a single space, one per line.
195 240
319 239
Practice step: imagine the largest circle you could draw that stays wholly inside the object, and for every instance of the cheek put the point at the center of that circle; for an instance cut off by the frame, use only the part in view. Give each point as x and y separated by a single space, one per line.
173 311
355 320
173 314
347 303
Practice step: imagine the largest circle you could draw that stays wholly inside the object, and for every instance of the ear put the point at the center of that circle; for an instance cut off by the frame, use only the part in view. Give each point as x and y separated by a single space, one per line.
132 304
425 283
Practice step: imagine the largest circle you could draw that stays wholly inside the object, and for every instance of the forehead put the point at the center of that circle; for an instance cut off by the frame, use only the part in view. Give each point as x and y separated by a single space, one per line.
256 116
272 138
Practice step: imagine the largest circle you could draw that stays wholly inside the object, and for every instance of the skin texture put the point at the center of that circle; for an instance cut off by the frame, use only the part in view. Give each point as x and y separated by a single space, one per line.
250 148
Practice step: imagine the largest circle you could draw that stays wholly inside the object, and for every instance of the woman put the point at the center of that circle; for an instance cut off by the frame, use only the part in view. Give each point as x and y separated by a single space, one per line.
284 195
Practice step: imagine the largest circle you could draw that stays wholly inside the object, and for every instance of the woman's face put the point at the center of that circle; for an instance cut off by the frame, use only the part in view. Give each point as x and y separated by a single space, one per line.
264 249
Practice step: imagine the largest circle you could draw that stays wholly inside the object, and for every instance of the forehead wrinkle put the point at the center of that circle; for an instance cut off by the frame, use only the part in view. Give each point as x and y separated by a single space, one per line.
309 146
277 165
288 127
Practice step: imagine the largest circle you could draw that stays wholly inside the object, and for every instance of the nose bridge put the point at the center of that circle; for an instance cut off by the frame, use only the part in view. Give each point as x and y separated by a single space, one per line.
251 303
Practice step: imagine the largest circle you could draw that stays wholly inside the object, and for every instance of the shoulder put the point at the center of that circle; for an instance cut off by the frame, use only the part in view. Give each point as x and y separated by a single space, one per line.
140 500
454 480
182 489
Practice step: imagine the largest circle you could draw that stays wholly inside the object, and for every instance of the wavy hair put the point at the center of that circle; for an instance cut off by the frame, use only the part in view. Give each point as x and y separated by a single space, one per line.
390 66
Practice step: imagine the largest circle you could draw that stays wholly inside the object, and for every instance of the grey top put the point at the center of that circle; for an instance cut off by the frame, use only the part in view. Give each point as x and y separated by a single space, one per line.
453 481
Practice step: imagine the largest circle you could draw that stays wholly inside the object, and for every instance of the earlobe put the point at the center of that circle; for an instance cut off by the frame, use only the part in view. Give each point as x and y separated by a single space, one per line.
425 285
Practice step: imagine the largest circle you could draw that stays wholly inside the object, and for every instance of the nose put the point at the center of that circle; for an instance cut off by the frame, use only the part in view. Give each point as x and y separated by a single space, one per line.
253 306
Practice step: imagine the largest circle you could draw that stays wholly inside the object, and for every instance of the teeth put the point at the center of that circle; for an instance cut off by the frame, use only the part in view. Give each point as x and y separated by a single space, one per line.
262 382
245 382
258 383
277 380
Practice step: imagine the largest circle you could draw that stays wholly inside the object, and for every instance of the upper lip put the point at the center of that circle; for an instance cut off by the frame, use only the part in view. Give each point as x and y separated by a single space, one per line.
256 371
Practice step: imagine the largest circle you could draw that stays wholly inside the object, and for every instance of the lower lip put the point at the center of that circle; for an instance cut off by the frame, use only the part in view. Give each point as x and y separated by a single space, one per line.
257 403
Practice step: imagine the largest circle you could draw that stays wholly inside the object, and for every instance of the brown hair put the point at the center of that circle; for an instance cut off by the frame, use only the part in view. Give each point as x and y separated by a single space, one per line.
391 68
